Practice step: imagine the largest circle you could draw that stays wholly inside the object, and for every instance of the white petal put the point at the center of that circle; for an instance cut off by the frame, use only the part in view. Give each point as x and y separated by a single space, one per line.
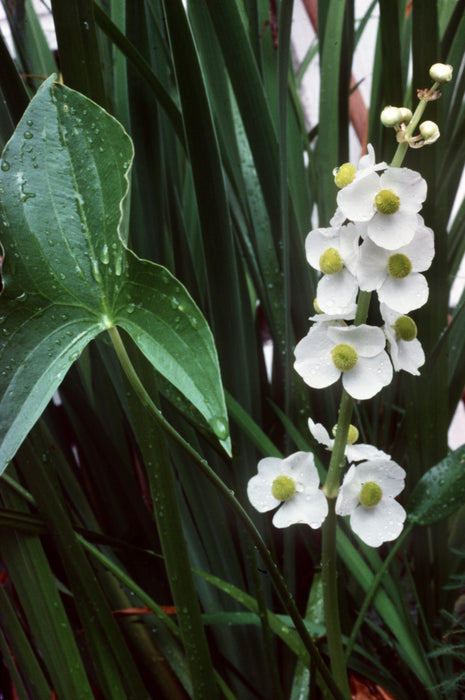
349 494
320 434
379 524
301 467
405 294
260 495
367 340
368 377
409 357
387 473
319 240
313 359
372 266
357 200
394 230
338 218
355 453
349 236
307 508
421 249
336 294
407 184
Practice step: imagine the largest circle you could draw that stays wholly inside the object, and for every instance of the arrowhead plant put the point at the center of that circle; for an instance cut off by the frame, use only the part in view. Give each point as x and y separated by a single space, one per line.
68 274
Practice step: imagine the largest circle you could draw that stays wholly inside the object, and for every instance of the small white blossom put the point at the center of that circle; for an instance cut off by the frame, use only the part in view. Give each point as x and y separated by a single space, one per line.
367 494
353 453
395 274
366 166
388 203
292 483
332 251
355 352
403 346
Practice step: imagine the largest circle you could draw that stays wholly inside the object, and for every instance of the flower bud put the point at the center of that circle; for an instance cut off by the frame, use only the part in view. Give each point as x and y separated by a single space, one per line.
441 72
406 114
429 131
391 116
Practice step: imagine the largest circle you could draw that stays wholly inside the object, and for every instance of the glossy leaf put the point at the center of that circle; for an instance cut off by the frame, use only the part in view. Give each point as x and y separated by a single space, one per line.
440 491
68 275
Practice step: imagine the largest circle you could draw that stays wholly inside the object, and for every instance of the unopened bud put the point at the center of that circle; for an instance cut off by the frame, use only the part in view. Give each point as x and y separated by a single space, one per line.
391 116
441 72
406 114
429 131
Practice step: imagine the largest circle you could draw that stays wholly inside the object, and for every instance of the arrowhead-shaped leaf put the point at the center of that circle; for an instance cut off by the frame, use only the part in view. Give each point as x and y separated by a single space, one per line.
440 491
68 275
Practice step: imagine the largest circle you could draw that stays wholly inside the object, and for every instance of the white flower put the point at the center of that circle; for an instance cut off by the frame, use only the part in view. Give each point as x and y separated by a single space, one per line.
354 453
403 346
388 203
395 274
367 495
348 173
356 352
332 251
292 482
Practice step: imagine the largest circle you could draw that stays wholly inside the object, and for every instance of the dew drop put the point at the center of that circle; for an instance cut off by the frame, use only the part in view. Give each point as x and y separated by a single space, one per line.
219 427
105 256
5 166
28 135
130 308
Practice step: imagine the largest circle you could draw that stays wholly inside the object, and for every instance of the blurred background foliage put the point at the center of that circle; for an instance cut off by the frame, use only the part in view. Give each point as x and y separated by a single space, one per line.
226 184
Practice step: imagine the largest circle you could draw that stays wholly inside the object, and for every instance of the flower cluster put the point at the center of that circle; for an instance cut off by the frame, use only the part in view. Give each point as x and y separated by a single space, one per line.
367 494
377 242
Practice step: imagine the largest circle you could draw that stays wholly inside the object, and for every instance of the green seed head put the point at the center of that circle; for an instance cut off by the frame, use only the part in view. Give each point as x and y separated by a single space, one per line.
352 435
283 487
399 266
387 202
371 494
344 175
405 328
344 357
331 262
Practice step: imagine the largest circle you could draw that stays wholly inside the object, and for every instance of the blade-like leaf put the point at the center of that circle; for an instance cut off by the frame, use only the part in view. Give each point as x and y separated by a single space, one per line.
68 275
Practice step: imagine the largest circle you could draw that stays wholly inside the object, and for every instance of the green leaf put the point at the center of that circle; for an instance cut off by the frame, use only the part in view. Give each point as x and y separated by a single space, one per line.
68 276
440 491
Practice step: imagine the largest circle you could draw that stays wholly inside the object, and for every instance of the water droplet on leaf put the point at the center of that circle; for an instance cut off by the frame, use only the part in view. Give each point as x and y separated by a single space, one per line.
219 427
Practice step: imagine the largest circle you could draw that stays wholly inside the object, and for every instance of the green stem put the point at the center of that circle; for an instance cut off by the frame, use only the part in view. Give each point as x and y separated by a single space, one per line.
170 529
330 600
329 553
399 155
277 579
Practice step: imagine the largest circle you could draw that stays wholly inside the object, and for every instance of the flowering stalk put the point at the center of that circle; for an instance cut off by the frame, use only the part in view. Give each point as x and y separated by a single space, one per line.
377 242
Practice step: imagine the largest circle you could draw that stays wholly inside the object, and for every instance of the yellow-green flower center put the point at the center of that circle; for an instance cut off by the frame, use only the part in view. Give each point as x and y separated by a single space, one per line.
344 357
405 328
344 175
387 202
352 435
370 494
399 266
283 487
331 262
